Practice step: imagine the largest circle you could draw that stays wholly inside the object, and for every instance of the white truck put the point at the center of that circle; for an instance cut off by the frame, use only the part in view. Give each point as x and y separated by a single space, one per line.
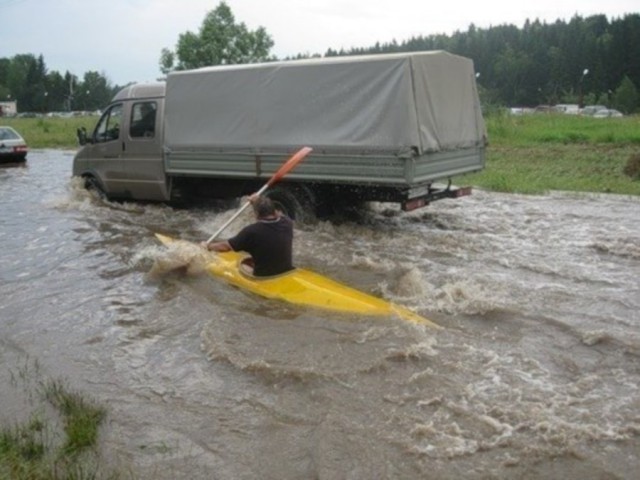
392 128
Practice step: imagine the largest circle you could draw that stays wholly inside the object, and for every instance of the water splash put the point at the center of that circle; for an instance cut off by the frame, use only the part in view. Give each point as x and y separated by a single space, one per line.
187 257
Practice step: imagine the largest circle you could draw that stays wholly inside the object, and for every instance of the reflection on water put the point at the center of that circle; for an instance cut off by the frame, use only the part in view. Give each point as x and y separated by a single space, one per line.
536 374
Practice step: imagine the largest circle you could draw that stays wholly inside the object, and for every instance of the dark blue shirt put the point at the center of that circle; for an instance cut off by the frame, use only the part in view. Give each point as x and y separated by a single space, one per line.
270 244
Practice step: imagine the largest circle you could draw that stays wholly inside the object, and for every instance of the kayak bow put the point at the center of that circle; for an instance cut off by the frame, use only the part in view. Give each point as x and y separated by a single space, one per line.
302 287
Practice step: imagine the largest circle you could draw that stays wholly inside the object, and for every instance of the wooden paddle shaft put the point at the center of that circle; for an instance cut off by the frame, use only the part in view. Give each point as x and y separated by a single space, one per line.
235 215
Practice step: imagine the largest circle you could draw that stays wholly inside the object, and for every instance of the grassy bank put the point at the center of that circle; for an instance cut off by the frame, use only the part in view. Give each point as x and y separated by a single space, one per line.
526 154
539 153
59 438
52 132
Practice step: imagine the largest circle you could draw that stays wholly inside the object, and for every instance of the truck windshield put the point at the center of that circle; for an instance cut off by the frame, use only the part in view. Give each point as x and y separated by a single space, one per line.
108 128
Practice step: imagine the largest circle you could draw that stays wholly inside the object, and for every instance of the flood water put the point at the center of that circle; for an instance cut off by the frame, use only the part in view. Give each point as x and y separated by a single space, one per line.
535 375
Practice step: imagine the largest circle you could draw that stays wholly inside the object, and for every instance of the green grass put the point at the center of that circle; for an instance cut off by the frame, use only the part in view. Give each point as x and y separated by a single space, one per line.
543 152
559 129
48 132
81 417
537 169
53 445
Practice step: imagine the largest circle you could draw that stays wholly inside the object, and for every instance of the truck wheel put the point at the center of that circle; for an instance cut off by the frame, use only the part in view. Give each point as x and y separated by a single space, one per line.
94 187
340 208
294 202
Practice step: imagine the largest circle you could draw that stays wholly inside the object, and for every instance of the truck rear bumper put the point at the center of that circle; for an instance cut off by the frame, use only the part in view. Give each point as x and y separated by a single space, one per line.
433 194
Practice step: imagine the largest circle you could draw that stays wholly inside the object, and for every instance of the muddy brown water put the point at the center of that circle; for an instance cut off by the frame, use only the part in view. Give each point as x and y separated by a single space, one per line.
535 375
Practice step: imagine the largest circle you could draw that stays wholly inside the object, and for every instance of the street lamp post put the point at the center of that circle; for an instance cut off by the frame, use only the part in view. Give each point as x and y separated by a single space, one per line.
585 72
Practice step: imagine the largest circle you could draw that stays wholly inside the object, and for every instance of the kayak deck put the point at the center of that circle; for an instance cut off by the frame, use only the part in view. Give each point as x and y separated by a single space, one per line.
303 287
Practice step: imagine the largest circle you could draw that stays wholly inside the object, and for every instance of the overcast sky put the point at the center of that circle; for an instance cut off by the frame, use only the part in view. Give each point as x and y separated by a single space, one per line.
122 39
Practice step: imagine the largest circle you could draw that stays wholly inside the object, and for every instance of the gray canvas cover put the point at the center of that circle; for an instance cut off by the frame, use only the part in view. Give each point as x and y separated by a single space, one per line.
425 101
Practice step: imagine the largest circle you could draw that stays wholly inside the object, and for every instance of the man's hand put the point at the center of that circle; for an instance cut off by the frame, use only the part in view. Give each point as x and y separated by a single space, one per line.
223 246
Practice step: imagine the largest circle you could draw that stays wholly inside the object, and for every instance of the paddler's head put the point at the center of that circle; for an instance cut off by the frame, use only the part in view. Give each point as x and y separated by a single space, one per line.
263 208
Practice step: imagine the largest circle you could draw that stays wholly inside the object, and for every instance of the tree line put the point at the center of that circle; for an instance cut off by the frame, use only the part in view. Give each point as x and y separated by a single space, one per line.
24 78
583 61
590 60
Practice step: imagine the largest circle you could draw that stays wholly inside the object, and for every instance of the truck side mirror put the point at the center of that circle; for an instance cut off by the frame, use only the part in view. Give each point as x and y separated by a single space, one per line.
82 135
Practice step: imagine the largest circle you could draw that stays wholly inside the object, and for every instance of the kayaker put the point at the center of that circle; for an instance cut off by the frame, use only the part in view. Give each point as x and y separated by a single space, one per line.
269 240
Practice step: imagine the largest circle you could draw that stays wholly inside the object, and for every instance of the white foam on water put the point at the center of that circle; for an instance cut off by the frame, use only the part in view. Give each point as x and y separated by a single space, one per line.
74 198
179 255
513 401
468 296
622 247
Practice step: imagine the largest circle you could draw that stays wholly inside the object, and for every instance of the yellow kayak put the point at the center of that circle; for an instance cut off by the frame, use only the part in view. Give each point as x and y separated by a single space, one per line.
303 287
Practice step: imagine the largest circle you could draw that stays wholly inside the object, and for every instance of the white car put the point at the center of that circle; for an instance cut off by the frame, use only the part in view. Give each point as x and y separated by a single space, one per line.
606 113
13 148
567 109
592 109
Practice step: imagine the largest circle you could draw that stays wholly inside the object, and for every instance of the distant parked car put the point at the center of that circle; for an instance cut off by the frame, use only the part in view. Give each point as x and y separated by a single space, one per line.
568 109
520 110
592 109
13 148
544 109
606 113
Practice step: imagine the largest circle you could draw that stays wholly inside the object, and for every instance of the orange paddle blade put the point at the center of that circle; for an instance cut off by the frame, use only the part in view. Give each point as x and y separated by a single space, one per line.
289 164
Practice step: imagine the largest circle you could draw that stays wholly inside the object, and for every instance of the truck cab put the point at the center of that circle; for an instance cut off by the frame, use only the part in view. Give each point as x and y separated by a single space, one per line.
122 157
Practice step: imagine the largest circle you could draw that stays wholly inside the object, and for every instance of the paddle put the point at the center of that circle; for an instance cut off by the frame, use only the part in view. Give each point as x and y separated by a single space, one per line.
289 165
